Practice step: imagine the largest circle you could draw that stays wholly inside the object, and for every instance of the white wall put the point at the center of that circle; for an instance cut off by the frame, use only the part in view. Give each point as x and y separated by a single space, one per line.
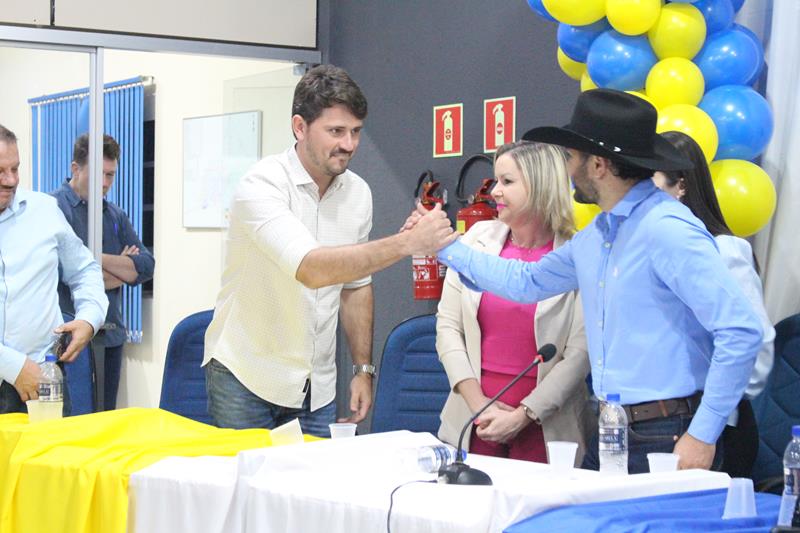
188 262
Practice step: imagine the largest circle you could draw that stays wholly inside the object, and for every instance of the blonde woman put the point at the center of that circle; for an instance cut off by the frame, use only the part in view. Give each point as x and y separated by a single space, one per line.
484 340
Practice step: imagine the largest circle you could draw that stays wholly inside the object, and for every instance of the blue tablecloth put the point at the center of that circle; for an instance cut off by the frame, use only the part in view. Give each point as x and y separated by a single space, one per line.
688 511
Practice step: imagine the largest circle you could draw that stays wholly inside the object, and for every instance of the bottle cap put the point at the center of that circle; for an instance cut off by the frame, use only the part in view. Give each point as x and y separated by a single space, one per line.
50 358
612 397
795 431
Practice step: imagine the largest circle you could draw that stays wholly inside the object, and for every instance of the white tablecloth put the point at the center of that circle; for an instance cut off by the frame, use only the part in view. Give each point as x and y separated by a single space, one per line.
344 485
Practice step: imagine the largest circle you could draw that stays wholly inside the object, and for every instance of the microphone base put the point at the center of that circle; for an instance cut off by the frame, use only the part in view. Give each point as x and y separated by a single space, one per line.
460 473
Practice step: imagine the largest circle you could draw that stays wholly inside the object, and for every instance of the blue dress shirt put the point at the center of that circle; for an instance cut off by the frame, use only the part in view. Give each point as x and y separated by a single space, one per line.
117 234
664 318
35 240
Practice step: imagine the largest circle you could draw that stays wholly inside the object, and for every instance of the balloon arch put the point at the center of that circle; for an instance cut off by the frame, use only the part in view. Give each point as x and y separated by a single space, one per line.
696 66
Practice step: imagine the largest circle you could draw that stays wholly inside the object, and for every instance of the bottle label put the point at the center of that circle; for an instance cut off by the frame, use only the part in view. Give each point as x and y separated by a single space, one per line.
612 439
443 457
51 392
791 481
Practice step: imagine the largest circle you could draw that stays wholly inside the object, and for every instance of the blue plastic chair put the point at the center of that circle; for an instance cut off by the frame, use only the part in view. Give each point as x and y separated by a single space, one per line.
412 384
80 379
777 408
183 390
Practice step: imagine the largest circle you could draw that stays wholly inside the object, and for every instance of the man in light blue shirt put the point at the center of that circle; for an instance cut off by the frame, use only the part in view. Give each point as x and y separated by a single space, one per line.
35 241
667 326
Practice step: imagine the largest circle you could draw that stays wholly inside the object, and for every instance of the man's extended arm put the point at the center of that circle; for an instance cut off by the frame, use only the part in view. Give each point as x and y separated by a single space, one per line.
329 265
356 312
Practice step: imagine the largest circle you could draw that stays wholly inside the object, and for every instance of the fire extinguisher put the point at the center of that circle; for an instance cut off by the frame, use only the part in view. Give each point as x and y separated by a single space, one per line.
428 272
481 204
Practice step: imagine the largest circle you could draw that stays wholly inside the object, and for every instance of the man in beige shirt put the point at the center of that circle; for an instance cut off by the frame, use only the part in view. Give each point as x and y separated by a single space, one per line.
298 259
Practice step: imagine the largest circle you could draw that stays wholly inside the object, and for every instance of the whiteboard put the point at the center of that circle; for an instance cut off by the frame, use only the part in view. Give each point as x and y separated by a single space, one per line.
217 151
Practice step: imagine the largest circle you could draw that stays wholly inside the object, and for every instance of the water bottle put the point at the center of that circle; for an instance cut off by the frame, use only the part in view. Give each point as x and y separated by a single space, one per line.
51 388
432 458
613 437
791 479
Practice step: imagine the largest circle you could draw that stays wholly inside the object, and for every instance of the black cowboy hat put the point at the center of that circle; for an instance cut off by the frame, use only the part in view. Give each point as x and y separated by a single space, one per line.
616 125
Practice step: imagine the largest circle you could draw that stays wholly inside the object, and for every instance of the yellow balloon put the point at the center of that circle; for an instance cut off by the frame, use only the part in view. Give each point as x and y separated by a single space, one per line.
573 69
587 83
679 32
692 121
632 17
644 97
584 214
675 80
576 12
746 195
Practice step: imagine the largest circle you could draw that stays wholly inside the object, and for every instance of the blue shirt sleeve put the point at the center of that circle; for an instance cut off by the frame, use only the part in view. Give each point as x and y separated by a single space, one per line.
687 261
82 275
512 279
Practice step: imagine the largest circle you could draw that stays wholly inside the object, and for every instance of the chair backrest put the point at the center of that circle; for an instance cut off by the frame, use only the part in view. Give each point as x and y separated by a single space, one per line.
412 384
183 389
79 376
778 407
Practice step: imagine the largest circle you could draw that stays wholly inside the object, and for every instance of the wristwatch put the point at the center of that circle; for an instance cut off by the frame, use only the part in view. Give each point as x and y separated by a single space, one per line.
529 413
367 369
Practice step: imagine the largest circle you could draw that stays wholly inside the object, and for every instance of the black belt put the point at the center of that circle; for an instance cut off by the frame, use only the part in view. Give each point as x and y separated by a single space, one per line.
641 412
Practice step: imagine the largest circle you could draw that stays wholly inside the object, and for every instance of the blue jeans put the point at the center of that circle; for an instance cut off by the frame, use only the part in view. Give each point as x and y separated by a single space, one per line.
650 436
232 405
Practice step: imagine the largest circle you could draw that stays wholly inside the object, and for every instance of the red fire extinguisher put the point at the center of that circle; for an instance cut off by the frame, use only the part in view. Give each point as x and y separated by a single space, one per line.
480 205
428 272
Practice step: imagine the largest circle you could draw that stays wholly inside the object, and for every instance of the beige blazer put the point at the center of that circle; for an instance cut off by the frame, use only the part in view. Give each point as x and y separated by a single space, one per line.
560 399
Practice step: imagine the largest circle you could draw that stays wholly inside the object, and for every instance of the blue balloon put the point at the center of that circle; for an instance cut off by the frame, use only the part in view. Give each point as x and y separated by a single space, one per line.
619 61
83 117
718 14
737 4
539 9
743 119
730 57
576 40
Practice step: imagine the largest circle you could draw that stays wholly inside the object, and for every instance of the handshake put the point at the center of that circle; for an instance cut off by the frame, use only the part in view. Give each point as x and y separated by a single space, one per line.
427 231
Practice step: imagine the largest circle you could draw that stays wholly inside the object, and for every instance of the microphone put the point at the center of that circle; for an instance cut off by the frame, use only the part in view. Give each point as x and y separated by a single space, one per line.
460 473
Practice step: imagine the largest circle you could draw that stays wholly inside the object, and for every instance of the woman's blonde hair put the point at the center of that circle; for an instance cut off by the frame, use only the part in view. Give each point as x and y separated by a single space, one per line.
544 169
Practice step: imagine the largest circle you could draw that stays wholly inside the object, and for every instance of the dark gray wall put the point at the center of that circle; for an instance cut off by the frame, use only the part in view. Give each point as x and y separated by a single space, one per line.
409 55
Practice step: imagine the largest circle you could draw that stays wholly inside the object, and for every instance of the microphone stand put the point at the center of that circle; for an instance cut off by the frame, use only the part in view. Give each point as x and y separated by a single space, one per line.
460 473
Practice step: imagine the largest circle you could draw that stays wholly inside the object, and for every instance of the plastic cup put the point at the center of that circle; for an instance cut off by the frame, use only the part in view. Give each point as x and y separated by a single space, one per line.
741 501
342 430
663 462
39 411
561 456
289 433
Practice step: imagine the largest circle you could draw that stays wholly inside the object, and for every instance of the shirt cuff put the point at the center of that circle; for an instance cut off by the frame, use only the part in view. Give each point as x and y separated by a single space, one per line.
455 255
142 264
706 426
11 363
93 317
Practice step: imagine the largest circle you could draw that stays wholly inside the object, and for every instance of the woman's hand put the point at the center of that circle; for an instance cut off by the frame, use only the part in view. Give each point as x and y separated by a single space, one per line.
497 424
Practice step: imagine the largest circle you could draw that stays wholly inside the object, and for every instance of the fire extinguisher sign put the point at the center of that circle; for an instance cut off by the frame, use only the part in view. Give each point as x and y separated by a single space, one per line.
448 131
499 122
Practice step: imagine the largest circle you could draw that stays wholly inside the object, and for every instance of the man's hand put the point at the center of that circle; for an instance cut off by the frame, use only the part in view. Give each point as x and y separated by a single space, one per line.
82 333
27 383
130 250
430 233
500 425
694 453
360 397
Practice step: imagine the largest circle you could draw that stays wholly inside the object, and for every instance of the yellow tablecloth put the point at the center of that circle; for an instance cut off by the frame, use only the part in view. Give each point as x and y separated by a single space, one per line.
71 475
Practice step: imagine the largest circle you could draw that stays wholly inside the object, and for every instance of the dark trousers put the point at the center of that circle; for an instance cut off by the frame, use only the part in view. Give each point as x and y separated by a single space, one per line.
650 436
111 372
741 443
10 402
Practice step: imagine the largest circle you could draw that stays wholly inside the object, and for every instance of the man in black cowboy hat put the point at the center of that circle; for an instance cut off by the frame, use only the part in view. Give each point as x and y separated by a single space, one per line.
667 326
